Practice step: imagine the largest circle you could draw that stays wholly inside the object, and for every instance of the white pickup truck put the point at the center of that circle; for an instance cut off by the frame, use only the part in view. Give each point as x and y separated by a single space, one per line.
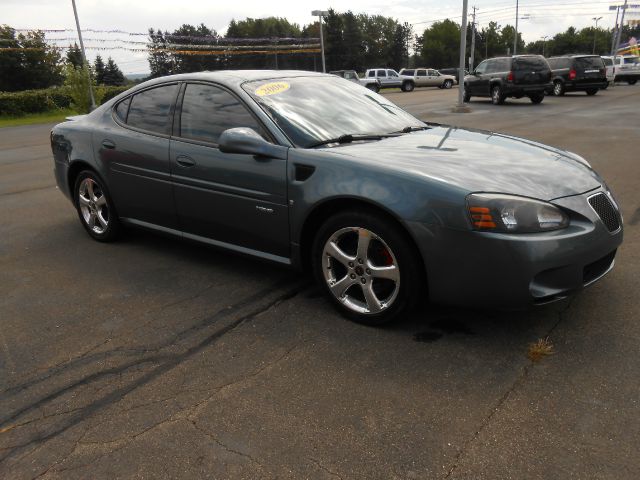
626 68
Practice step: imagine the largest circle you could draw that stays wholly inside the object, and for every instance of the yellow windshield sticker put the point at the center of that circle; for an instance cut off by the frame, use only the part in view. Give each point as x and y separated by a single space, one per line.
272 88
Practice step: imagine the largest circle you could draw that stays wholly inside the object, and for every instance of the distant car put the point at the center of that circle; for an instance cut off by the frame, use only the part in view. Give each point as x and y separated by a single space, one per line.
389 78
308 170
428 77
610 70
453 72
502 77
577 73
352 76
626 68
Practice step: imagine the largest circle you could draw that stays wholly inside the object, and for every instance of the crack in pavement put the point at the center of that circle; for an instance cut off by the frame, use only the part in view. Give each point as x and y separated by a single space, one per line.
501 401
166 364
226 447
322 467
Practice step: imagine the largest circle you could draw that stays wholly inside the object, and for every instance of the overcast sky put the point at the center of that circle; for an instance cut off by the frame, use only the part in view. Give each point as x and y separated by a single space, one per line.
545 17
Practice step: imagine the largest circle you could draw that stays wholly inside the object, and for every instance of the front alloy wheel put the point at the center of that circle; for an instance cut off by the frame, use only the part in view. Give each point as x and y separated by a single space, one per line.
496 95
361 271
368 265
558 89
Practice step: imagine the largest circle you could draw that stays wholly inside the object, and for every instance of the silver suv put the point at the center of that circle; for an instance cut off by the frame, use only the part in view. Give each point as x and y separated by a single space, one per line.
352 76
428 77
389 78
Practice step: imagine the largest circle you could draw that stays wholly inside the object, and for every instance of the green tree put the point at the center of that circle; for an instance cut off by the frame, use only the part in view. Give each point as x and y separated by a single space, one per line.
99 70
112 74
74 56
507 36
11 69
160 61
441 44
77 81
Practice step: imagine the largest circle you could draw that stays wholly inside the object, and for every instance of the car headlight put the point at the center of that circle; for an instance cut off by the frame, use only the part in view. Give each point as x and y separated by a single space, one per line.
507 213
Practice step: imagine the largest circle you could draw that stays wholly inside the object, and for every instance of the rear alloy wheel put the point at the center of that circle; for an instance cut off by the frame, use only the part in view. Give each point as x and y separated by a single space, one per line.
367 267
558 88
592 91
632 82
447 84
497 98
408 87
536 97
95 209
374 88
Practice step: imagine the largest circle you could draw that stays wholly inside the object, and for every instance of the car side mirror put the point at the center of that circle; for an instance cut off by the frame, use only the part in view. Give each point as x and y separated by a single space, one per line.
247 141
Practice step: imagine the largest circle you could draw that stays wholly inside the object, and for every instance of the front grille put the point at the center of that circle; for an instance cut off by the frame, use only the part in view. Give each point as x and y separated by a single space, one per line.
595 270
606 211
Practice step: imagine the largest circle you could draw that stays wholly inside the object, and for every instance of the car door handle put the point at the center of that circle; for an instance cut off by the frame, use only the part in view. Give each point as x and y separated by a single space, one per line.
185 161
108 144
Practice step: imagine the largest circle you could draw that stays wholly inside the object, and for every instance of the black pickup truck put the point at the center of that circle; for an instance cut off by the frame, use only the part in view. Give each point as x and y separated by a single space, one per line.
517 76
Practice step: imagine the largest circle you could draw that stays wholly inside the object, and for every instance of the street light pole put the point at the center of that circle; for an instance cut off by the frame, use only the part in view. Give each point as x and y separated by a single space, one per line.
619 34
84 56
595 29
320 14
544 40
473 41
515 40
461 107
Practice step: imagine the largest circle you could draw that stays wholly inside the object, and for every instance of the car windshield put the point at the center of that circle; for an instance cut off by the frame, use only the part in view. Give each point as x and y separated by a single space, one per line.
311 110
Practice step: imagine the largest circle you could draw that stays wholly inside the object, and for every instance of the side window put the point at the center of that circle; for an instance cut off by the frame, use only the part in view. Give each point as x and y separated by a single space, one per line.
150 110
482 68
349 75
122 109
392 73
382 73
422 73
372 73
410 73
207 111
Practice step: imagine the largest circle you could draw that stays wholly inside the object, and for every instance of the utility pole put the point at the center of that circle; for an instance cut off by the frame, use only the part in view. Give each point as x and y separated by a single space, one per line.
615 30
320 14
619 33
595 30
473 41
461 107
515 40
544 40
84 56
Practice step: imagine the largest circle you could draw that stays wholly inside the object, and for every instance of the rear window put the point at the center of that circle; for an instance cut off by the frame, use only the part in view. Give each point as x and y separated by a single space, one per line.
559 62
408 72
631 60
585 63
530 64
151 109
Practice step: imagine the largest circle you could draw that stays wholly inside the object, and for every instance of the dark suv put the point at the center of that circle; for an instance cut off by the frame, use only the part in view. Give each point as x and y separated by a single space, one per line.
574 73
517 76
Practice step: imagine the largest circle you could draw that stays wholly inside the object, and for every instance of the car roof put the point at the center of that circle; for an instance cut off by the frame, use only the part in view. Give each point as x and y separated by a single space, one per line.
234 78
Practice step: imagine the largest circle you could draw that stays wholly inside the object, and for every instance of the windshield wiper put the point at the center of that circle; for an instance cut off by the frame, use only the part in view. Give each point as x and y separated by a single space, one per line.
413 129
348 138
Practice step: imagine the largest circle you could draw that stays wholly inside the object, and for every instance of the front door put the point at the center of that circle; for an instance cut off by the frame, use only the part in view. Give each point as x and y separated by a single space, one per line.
237 200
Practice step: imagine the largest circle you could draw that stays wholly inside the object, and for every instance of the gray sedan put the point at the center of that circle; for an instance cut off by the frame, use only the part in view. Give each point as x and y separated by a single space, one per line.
316 172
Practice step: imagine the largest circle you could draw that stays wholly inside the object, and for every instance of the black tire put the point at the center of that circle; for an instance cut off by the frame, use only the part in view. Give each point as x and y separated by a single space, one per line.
466 96
536 98
447 84
401 251
408 87
497 97
374 88
95 210
558 88
632 81
591 91
605 87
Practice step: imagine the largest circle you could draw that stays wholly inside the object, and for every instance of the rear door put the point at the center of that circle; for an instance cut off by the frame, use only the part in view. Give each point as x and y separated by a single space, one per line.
531 71
238 200
421 77
589 70
135 153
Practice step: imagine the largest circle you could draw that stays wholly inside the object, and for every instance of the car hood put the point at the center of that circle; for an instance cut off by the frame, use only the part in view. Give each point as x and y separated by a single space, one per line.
479 161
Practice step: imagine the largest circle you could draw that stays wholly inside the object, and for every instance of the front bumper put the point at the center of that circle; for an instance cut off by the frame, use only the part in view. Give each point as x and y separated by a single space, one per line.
496 270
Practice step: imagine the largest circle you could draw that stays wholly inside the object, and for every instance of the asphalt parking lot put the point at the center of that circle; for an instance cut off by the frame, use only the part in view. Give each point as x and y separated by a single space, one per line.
156 358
